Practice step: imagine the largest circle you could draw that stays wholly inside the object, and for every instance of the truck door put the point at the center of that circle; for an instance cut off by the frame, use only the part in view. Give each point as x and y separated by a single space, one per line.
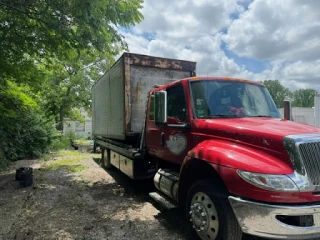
153 131
176 139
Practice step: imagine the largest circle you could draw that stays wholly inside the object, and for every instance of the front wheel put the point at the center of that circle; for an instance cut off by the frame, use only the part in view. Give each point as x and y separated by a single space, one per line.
209 213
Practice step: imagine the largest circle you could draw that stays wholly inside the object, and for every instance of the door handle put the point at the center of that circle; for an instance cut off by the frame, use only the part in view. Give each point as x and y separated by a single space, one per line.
162 139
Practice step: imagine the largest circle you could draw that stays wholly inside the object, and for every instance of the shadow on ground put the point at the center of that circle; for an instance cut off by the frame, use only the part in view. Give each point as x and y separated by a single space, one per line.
91 204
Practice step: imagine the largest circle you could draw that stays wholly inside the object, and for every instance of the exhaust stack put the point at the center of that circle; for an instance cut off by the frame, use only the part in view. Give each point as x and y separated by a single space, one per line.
287 110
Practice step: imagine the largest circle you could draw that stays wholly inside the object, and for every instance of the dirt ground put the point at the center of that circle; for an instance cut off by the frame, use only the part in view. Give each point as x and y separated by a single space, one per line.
74 198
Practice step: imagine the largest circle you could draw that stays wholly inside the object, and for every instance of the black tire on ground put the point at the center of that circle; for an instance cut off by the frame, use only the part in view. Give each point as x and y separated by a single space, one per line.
26 177
23 171
27 181
94 147
209 212
105 159
19 174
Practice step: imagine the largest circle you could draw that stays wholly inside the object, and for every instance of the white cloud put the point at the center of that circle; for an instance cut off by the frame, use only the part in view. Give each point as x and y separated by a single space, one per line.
286 33
273 29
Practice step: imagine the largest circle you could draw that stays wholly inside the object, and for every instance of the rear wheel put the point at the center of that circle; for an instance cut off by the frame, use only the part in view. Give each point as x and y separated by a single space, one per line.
209 213
105 159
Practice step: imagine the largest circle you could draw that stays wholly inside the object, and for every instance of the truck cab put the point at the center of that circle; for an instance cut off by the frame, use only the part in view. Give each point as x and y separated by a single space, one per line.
216 146
231 145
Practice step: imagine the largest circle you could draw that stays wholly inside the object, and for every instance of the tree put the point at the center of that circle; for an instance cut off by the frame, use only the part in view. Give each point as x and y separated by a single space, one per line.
304 98
50 53
24 131
277 91
32 31
68 83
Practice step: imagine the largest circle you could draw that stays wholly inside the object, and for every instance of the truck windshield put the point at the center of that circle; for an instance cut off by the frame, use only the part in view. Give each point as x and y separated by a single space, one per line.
230 99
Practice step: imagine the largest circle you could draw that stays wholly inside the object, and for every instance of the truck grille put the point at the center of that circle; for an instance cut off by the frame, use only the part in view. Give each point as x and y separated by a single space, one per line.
310 153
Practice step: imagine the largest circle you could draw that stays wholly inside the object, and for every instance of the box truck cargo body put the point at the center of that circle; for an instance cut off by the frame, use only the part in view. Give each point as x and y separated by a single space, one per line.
119 98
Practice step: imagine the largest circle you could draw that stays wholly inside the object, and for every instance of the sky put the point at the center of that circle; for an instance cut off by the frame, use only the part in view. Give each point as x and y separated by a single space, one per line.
251 39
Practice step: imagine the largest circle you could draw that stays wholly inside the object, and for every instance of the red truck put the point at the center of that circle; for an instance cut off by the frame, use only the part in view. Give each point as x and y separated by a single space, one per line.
216 146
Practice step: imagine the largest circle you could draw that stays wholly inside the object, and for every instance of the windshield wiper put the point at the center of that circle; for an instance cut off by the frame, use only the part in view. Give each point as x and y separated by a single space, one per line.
223 116
261 116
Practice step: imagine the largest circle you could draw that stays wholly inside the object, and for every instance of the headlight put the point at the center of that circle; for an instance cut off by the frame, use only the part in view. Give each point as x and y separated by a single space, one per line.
280 183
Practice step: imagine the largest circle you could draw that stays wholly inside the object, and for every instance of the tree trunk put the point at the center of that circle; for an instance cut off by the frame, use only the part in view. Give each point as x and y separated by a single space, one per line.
61 116
56 119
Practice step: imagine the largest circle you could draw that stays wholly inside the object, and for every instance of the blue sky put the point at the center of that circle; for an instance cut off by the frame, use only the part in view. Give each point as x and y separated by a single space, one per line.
258 40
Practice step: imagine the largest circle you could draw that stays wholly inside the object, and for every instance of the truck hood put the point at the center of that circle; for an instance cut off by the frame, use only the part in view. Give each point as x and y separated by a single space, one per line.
265 133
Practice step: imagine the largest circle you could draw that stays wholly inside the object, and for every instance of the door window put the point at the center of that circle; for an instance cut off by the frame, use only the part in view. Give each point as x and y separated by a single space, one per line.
176 103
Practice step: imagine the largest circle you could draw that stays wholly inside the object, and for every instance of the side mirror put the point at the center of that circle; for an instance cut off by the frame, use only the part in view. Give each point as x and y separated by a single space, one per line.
160 113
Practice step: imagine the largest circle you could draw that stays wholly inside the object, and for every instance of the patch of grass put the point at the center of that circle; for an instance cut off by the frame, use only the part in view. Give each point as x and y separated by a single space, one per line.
4 164
64 162
83 142
60 143
45 157
67 153
76 168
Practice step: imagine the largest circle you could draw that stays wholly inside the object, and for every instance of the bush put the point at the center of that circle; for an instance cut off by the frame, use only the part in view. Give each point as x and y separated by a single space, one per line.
61 143
28 135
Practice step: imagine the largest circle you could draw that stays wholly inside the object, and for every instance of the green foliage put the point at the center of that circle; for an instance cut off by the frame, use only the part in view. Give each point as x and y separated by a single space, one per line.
71 136
14 100
304 98
77 168
277 91
24 131
67 153
84 142
50 52
301 97
68 83
53 165
75 115
36 30
4 163
25 135
61 143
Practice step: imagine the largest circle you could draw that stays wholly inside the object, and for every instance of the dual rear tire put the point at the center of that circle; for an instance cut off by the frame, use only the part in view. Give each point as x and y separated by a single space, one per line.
209 214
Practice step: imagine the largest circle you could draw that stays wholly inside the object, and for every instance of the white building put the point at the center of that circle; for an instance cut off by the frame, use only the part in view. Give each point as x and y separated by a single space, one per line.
80 129
302 115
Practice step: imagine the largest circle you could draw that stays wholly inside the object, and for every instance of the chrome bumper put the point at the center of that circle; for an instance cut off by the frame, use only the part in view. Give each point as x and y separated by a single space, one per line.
260 219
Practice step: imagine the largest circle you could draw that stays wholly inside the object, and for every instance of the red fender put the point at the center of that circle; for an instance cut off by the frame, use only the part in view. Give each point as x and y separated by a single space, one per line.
227 157
239 156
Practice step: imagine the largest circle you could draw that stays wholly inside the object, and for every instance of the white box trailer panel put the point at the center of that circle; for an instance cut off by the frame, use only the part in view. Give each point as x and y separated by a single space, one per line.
119 98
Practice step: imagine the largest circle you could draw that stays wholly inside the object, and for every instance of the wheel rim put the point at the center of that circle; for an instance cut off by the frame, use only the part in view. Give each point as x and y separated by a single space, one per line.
105 157
204 217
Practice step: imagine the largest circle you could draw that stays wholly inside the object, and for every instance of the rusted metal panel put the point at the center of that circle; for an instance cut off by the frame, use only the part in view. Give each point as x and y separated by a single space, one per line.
142 80
157 62
119 97
141 73
127 92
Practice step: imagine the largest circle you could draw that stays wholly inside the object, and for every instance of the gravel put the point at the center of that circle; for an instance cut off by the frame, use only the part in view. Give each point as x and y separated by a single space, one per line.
89 204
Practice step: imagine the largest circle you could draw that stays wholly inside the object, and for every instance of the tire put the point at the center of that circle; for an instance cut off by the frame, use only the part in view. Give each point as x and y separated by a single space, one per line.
209 214
26 177
19 174
94 147
105 159
27 181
